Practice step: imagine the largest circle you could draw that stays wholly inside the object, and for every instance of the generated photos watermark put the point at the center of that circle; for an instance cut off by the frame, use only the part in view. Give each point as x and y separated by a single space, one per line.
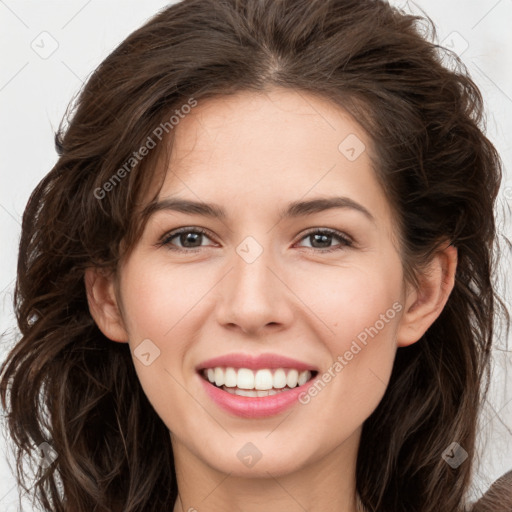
137 156
343 360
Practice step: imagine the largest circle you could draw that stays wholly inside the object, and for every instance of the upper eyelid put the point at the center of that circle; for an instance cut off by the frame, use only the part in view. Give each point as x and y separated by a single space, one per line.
330 231
169 235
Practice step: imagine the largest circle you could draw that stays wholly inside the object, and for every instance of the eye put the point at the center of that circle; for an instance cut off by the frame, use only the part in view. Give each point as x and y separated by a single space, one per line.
188 239
322 238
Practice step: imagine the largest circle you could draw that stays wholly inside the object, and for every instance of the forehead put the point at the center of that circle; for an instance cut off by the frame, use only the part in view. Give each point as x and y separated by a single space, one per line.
271 147
278 124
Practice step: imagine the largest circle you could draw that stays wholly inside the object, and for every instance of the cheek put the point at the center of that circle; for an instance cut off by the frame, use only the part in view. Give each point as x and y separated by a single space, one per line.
360 307
157 299
160 305
351 298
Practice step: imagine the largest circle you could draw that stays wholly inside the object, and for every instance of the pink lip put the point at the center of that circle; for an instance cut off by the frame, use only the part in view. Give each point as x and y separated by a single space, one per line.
254 407
255 362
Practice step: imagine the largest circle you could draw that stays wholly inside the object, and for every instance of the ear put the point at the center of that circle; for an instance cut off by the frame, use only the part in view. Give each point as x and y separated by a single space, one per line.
103 305
423 304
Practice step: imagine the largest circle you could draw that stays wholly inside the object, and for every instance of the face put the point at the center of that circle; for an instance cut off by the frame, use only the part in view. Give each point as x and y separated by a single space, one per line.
277 284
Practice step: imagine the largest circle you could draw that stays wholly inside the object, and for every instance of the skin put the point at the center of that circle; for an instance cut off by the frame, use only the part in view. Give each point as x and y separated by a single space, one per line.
253 153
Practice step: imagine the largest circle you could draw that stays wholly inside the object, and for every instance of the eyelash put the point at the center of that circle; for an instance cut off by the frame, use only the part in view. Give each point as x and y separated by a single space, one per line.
344 240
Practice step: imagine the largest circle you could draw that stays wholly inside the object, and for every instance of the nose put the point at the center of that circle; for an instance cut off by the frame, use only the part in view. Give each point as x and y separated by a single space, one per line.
254 296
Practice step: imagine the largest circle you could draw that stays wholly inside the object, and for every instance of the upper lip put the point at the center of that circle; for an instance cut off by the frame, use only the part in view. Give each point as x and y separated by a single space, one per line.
255 362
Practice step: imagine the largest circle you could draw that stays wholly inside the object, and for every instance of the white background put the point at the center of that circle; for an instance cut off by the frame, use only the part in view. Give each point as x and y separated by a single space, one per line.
35 89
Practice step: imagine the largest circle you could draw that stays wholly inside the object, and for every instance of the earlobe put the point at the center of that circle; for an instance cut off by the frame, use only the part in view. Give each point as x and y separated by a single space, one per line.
103 305
425 303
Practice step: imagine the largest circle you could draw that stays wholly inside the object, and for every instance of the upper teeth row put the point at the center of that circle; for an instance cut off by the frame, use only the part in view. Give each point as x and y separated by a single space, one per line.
244 378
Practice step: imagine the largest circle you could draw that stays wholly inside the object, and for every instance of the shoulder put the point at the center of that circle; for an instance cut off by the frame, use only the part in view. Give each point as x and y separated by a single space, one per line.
498 498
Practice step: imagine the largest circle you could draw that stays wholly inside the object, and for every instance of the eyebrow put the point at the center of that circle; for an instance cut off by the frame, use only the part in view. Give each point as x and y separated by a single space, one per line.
293 210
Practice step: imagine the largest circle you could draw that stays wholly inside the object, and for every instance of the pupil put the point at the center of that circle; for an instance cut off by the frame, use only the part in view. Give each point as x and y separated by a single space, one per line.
190 237
322 239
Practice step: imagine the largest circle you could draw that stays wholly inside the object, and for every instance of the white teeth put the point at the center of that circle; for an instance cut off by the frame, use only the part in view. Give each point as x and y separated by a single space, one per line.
303 378
245 378
292 378
230 378
252 392
219 377
261 380
279 379
246 392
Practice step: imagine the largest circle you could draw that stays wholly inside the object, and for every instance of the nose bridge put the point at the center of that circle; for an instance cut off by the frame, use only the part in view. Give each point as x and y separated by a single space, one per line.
253 297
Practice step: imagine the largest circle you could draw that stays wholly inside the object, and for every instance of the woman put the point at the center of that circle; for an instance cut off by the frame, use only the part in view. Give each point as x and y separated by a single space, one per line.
323 343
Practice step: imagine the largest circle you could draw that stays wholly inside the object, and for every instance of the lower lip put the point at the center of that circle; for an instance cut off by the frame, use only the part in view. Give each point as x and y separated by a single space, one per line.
254 407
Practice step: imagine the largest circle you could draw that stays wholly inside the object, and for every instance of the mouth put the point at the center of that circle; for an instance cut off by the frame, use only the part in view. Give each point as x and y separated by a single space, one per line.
263 382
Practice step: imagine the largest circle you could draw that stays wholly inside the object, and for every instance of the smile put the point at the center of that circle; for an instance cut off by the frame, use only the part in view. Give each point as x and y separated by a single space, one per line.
256 383
235 390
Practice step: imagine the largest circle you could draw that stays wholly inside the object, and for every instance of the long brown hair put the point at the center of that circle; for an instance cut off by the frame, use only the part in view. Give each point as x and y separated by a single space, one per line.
67 385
